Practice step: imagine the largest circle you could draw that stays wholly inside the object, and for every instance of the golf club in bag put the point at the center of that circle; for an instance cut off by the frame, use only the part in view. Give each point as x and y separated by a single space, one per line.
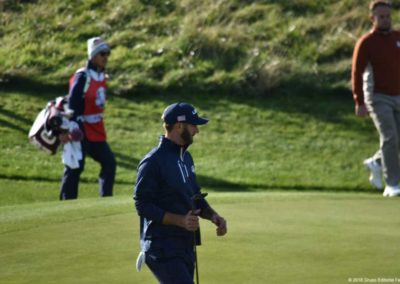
196 234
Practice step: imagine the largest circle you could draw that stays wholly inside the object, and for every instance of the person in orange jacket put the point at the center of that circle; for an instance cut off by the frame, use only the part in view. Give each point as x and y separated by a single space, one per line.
376 88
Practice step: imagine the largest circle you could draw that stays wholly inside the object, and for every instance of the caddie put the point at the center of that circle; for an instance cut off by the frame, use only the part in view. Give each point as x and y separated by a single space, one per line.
87 99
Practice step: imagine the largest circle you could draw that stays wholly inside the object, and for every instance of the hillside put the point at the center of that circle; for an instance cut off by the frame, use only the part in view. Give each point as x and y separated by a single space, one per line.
219 46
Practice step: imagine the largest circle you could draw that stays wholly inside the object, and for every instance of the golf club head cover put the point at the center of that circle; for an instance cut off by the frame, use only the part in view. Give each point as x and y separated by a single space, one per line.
140 260
76 134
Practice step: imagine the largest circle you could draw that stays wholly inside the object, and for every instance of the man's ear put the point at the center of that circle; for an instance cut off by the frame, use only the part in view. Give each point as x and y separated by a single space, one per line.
372 18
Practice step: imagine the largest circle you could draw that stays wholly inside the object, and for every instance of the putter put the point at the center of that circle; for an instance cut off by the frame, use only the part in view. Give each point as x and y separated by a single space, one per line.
195 197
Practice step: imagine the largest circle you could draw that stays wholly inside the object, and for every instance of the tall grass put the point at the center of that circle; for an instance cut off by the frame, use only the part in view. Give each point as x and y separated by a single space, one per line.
221 46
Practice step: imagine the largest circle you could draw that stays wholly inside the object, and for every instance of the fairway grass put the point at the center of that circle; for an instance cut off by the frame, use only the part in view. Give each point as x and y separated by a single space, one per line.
276 237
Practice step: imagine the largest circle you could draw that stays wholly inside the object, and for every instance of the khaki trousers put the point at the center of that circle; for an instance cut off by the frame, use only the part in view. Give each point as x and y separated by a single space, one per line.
385 113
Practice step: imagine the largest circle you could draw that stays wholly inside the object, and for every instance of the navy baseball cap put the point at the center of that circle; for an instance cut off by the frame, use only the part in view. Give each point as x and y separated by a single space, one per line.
182 112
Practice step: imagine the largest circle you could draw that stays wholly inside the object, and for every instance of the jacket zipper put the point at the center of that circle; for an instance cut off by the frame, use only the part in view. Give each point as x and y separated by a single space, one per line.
180 168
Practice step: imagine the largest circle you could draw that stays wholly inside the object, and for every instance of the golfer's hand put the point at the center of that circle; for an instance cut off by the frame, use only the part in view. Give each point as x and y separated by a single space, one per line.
191 221
220 222
361 111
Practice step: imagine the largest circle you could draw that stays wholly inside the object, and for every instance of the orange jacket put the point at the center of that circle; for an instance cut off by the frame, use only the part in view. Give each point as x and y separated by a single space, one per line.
379 53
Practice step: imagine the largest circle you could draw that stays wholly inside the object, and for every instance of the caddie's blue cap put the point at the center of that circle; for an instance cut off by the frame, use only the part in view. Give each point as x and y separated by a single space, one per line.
182 112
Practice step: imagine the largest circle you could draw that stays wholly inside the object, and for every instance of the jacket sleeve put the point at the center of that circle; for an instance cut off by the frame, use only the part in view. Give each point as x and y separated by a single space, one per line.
146 187
360 62
76 99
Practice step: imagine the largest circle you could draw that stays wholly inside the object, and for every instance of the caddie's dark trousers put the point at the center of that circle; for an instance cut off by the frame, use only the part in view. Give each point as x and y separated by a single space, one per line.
101 153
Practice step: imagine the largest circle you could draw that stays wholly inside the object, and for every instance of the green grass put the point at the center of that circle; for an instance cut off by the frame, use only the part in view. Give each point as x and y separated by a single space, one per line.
255 157
250 144
281 157
285 171
280 237
236 47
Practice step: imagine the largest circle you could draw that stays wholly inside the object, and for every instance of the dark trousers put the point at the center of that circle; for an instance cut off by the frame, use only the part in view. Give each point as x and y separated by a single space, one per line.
172 268
101 153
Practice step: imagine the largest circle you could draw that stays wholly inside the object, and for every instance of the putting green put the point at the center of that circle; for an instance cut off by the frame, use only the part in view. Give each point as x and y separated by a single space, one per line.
277 237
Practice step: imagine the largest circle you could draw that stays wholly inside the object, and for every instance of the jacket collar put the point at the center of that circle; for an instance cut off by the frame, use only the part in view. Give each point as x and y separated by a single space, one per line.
94 72
169 144
91 66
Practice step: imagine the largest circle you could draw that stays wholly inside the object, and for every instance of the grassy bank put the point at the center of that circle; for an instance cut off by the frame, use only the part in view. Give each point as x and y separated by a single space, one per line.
230 47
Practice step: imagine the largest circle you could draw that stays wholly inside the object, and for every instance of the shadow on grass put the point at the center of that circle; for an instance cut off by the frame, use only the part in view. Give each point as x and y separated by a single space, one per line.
311 94
14 116
13 126
218 185
13 119
125 161
227 186
33 87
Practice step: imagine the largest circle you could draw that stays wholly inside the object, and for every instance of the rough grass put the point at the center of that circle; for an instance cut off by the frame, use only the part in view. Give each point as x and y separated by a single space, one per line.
234 47
250 144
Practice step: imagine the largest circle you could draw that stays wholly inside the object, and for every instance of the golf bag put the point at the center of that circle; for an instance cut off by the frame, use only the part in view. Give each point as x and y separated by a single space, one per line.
50 122
53 120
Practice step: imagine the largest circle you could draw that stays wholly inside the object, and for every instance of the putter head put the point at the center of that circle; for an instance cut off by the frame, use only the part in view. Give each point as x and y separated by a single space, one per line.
199 196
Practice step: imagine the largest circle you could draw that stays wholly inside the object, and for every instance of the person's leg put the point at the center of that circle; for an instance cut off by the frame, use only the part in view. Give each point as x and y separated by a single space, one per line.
178 269
374 163
70 181
397 121
101 153
385 122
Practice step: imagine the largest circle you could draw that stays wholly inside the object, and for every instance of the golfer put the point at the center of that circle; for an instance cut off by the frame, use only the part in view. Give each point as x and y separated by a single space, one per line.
164 190
376 89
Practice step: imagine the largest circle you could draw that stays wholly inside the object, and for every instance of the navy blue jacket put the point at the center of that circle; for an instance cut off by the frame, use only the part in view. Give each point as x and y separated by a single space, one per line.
166 181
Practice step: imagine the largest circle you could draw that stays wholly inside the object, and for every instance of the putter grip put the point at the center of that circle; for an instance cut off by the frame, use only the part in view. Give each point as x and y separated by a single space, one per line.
198 237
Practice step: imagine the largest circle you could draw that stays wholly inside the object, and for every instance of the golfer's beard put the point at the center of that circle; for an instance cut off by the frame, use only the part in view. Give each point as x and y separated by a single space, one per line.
186 137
